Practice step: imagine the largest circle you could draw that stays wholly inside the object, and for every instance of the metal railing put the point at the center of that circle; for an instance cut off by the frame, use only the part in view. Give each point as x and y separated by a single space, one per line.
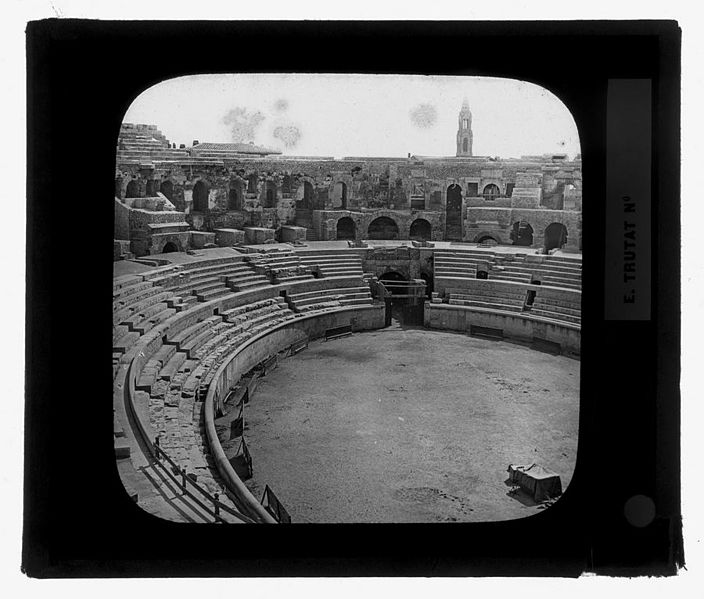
182 479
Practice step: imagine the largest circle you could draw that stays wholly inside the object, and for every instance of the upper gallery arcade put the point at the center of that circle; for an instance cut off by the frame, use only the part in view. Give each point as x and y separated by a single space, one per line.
164 194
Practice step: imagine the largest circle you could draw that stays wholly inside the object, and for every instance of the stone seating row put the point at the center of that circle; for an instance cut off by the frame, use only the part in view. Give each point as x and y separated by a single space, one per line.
556 310
177 354
465 265
175 405
481 300
334 264
346 296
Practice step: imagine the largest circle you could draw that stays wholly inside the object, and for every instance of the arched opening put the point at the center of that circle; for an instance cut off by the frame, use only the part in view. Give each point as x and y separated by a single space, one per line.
420 230
234 199
151 188
522 234
269 195
555 236
491 192
306 200
169 247
252 181
383 228
487 240
346 228
339 195
167 188
465 144
286 186
453 213
200 197
132 190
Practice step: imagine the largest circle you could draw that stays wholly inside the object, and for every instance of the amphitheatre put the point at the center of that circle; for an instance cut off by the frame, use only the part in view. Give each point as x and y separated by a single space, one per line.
356 339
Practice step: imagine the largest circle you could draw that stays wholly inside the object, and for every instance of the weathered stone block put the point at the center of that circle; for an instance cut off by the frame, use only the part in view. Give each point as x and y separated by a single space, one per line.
200 238
229 237
257 235
292 234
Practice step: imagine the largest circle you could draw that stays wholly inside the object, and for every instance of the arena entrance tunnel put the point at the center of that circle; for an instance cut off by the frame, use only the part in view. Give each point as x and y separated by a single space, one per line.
405 300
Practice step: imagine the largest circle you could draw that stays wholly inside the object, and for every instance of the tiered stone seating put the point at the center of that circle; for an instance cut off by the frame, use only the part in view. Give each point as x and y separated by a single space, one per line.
283 266
172 334
509 268
505 299
326 298
460 264
560 272
556 309
145 143
333 263
177 373
218 280
137 307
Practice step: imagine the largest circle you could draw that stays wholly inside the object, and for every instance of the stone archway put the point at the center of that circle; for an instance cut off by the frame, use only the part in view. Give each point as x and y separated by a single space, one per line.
420 230
252 182
200 197
346 229
484 239
339 195
235 195
383 227
453 213
522 233
491 192
132 190
306 198
555 236
268 199
169 247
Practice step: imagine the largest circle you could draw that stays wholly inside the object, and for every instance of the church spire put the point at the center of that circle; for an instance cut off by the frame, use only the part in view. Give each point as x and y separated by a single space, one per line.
464 130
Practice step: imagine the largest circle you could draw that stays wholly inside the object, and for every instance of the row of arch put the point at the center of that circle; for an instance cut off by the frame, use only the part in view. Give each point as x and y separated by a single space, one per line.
237 190
384 227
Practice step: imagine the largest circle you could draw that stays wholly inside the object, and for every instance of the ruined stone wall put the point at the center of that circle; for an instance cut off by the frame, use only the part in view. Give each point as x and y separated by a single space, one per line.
271 192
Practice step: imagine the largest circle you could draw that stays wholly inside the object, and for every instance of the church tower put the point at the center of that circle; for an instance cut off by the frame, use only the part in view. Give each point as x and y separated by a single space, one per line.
464 131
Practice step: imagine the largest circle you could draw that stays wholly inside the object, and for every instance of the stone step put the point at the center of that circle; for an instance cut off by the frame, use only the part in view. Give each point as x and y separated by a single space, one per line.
342 297
122 293
333 290
195 329
213 294
243 284
125 342
489 305
555 316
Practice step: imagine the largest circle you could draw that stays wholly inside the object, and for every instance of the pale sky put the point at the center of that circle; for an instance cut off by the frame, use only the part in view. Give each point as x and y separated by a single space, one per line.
360 115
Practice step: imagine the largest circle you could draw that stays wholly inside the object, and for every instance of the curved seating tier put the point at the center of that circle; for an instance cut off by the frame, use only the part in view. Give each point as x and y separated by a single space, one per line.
178 329
333 263
173 328
282 266
553 271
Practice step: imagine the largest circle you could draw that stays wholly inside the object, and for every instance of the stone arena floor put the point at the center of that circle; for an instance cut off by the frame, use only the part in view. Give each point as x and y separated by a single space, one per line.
410 425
